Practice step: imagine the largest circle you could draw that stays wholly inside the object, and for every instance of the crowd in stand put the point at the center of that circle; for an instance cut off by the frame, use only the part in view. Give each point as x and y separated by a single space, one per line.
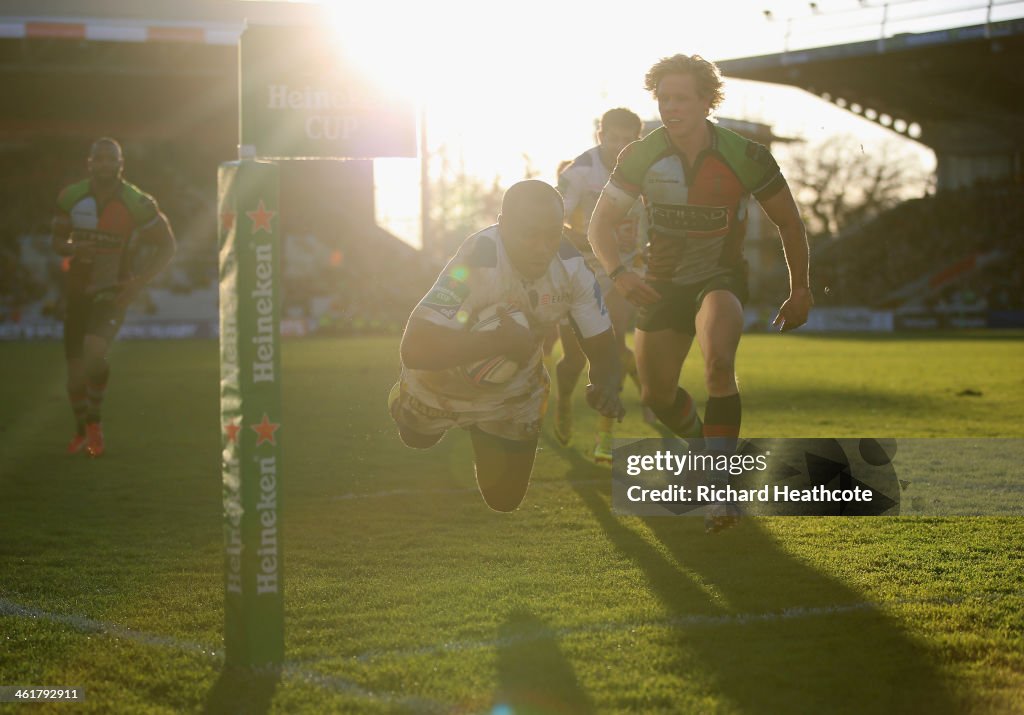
362 279
367 283
925 237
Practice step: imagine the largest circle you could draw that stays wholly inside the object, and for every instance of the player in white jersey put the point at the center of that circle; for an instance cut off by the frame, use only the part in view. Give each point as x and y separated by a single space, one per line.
580 185
521 261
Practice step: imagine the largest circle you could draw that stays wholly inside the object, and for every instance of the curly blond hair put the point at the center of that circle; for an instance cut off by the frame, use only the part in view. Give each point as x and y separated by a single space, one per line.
709 79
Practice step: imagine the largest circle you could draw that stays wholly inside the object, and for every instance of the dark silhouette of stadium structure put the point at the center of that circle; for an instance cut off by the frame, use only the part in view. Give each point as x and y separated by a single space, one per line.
958 91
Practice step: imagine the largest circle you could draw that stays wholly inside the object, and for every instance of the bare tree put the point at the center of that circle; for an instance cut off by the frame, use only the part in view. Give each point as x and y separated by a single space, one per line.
460 205
838 184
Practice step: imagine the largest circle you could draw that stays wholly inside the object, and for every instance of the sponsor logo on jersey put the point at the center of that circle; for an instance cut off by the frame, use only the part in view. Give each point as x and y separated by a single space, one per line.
447 296
101 241
549 299
685 217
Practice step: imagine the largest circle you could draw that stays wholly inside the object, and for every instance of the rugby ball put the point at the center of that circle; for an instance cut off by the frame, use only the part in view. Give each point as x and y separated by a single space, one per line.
497 369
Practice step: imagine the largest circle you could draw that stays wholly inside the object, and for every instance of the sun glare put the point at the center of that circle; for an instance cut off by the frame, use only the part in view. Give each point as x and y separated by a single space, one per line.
507 91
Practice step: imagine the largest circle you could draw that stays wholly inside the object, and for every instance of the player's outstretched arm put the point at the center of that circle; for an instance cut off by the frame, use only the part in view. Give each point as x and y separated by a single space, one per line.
612 207
605 374
426 346
782 210
159 234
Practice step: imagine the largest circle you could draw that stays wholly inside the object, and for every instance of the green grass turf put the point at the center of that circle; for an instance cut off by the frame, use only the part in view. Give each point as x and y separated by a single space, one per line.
405 594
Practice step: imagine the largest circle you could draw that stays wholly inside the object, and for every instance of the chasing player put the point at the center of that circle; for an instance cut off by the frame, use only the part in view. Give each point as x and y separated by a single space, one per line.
695 178
100 223
580 184
523 262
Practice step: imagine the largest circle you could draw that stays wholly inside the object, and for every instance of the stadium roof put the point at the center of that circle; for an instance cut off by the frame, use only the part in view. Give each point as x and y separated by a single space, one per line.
961 87
195 21
138 68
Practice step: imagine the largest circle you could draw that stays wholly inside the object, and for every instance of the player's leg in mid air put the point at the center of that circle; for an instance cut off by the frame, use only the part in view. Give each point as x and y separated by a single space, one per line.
105 318
78 397
418 440
503 468
660 355
410 431
623 317
74 337
97 373
719 324
621 313
664 334
567 374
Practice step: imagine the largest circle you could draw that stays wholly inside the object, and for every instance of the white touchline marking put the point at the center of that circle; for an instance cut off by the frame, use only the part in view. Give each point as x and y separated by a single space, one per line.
291 669
682 621
670 622
89 625
331 682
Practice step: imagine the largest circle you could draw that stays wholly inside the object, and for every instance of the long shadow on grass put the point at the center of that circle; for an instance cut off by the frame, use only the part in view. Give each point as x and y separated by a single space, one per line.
534 676
777 636
241 692
811 397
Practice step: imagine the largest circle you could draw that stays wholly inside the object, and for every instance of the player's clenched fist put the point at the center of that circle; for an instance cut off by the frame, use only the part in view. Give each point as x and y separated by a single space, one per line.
517 343
605 399
636 290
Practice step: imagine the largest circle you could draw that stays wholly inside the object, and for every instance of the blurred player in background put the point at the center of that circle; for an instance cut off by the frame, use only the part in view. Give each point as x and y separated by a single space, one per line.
695 178
521 262
99 224
580 183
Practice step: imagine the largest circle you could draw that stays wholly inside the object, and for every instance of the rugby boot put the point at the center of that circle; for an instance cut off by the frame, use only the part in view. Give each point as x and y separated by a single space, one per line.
77 444
94 439
603 448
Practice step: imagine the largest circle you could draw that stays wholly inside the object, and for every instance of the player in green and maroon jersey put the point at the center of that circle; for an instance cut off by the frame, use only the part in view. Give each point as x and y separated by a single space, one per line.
100 223
696 179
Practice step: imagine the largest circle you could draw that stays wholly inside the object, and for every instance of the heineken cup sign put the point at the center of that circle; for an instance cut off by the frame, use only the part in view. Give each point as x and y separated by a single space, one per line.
299 100
250 406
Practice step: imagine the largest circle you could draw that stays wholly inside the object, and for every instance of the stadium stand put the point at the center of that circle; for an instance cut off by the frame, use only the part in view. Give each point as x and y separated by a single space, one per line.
929 251
957 91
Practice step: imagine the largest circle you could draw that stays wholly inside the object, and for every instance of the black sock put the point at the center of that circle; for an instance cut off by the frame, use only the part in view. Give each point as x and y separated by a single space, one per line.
681 417
722 423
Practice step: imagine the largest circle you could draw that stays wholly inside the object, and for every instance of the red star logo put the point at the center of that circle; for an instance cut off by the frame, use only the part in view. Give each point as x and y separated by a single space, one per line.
232 430
265 431
261 218
227 220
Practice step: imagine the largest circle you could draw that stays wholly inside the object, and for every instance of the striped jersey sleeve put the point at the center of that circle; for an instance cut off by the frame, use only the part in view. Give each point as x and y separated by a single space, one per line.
636 159
142 207
753 163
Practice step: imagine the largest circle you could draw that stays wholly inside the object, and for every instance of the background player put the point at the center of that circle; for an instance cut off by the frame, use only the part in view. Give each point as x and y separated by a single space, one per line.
520 261
695 178
580 184
100 223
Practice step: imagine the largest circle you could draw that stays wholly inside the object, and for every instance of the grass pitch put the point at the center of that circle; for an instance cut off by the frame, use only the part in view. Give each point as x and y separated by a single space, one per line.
404 593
